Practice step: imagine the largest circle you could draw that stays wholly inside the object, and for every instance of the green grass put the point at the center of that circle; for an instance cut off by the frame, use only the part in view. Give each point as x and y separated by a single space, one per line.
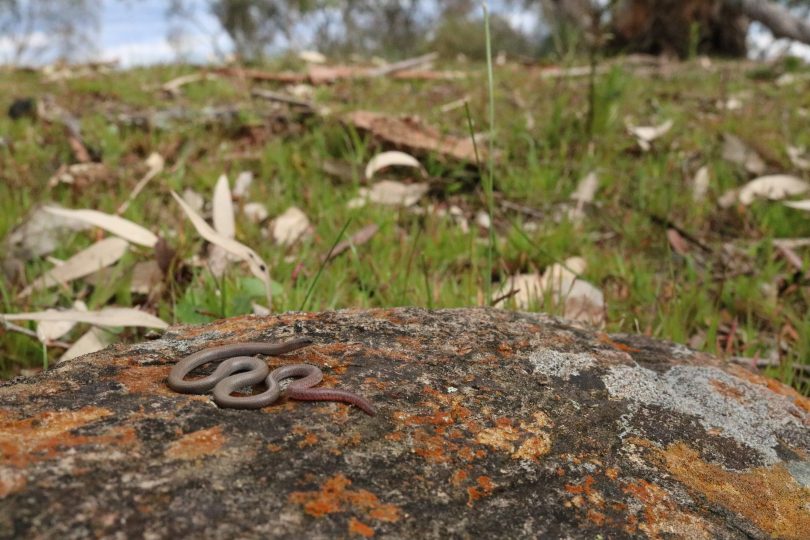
428 260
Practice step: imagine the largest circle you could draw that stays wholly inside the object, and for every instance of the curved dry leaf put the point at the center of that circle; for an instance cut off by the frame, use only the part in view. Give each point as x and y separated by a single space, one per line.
101 254
255 212
524 289
40 234
393 193
132 232
312 57
797 157
774 187
799 205
700 184
242 184
290 226
391 159
646 134
111 316
737 152
224 221
257 266
93 340
48 331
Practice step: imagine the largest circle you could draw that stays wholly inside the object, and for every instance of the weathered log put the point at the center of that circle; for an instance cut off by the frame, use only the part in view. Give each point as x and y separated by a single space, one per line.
490 424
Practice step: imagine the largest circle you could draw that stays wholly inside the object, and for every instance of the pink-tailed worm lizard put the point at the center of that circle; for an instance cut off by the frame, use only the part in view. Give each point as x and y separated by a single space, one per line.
240 369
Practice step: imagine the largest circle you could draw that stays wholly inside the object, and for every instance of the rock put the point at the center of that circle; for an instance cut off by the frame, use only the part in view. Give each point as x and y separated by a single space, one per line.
490 424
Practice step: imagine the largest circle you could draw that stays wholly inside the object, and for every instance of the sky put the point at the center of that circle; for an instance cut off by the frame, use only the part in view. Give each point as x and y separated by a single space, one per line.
136 32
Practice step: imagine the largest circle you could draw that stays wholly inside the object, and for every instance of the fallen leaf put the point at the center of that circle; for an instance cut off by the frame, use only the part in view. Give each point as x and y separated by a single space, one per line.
173 86
132 232
101 254
257 266
483 220
582 301
290 226
799 205
737 152
525 289
110 316
583 195
359 238
774 187
412 133
194 200
700 184
797 157
679 245
390 193
391 159
223 214
79 174
40 234
647 134
255 212
91 341
48 331
146 275
242 184
155 164
312 57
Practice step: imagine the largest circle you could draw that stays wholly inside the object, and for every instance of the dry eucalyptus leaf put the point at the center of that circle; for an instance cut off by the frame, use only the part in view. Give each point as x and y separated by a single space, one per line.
40 234
257 266
223 214
242 184
146 275
79 173
799 205
111 316
582 301
647 134
774 187
391 159
255 212
312 57
799 158
93 340
525 289
737 152
195 201
132 232
584 194
700 184
290 226
101 254
48 331
393 193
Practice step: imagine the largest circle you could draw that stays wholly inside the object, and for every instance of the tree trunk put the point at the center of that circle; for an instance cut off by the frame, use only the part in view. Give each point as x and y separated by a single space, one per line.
679 27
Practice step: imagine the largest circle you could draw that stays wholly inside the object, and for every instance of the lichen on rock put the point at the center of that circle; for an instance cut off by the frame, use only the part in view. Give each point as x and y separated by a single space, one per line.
490 424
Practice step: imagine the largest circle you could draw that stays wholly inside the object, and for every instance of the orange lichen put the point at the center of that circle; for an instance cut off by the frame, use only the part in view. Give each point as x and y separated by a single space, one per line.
335 497
145 379
45 435
197 444
484 489
772 384
360 528
604 338
612 473
459 477
779 508
726 389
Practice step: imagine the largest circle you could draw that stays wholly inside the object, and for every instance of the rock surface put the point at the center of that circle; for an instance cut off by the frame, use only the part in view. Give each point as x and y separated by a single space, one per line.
490 424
